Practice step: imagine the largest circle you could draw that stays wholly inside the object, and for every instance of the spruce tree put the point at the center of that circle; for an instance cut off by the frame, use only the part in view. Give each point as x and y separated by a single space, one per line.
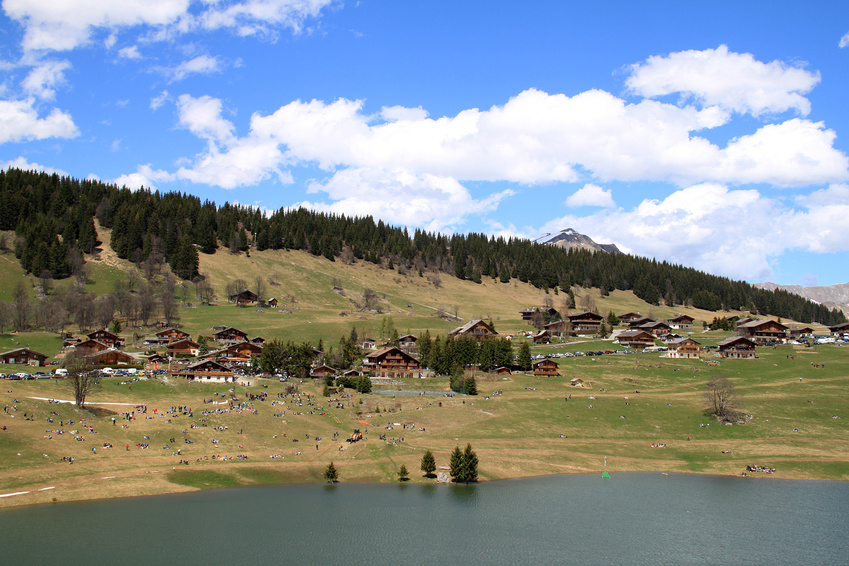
470 465
428 465
456 462
525 361
331 474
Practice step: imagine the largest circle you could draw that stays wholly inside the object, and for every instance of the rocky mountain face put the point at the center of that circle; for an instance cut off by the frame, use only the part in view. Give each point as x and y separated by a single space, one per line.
571 239
832 296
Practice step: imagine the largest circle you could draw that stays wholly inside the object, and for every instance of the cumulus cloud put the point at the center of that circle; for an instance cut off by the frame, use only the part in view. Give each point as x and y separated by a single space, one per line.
402 198
24 165
736 233
591 195
19 121
61 25
736 81
44 77
541 138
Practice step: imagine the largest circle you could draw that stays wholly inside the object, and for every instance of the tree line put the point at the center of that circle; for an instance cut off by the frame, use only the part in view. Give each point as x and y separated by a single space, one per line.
53 219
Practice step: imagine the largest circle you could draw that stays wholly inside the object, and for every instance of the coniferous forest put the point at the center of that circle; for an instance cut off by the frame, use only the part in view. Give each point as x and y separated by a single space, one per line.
53 220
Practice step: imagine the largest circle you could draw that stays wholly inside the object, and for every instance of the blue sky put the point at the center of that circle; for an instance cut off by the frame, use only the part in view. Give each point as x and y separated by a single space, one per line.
711 135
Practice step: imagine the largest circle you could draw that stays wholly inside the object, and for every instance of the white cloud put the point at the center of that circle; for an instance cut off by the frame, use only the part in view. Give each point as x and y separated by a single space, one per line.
44 78
131 52
732 80
157 101
402 198
200 65
540 138
844 41
19 121
735 233
591 195
146 176
24 165
66 24
202 117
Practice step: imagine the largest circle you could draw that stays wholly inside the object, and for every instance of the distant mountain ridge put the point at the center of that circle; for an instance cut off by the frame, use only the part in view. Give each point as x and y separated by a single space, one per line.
570 239
831 296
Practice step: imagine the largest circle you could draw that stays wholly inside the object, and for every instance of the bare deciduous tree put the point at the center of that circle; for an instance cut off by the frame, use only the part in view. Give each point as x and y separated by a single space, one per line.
260 286
168 301
21 307
80 377
204 290
723 400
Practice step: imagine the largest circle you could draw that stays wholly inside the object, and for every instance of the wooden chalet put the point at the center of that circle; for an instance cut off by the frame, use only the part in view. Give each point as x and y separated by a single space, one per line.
156 359
392 362
230 335
628 317
171 334
742 320
368 344
840 330
244 297
503 370
800 332
272 303
737 347
23 357
477 329
545 368
323 371
90 346
681 321
763 331
585 322
407 342
70 340
528 314
184 347
557 327
105 337
542 337
352 373
638 322
684 348
636 339
576 382
655 328
258 340
239 354
111 357
206 370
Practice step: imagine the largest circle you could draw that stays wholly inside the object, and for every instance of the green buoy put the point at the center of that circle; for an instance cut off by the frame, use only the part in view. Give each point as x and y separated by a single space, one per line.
604 474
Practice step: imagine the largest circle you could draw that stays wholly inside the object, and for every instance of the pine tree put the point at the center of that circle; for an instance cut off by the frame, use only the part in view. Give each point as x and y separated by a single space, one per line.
428 464
470 465
456 462
331 474
525 361
403 474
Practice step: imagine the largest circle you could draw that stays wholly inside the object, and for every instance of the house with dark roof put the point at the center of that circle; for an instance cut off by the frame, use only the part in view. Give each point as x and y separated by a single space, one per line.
736 347
23 357
681 321
655 328
111 339
528 313
763 331
840 330
683 348
391 362
636 339
588 323
205 370
230 335
477 329
545 368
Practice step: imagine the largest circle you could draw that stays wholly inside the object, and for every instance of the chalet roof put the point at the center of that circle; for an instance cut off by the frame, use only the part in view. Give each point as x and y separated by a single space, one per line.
408 338
733 340
684 340
629 315
681 317
23 351
634 334
169 330
383 352
754 324
654 324
219 366
230 329
841 326
469 325
182 341
584 315
105 334
121 354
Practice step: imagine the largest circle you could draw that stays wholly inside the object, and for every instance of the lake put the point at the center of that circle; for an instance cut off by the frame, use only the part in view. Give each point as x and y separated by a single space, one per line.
633 518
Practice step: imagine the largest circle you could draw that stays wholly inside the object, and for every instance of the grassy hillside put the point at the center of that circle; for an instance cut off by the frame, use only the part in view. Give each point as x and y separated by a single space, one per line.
519 426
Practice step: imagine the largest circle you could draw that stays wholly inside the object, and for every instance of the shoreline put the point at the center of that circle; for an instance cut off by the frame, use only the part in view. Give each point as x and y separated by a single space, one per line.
15 500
